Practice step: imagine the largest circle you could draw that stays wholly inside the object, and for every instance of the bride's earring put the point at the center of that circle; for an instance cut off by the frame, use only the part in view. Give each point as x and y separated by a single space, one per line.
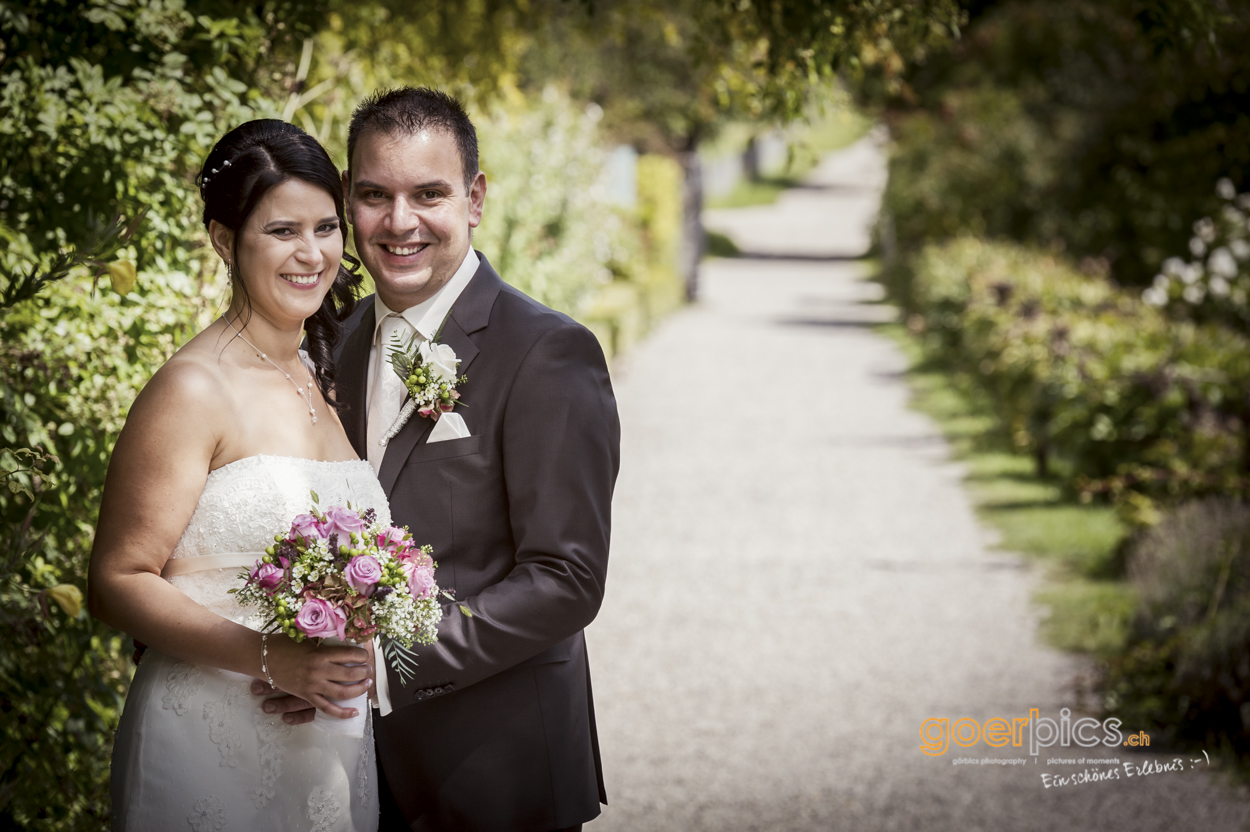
230 273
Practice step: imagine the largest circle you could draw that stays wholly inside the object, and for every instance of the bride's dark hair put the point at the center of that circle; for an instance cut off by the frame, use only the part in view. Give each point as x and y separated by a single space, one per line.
242 167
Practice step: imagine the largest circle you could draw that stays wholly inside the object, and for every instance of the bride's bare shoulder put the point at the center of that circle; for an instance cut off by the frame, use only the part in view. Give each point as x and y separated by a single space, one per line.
189 389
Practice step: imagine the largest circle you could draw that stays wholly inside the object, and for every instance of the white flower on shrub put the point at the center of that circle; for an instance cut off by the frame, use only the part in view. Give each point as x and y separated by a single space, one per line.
1205 228
1221 263
1218 275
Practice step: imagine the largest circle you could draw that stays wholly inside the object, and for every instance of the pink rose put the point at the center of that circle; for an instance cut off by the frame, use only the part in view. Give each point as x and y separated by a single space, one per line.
363 572
308 527
421 579
268 576
391 539
343 522
321 619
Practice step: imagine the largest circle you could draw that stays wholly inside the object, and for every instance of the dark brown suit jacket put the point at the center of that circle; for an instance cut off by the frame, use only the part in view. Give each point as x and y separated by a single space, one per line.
497 731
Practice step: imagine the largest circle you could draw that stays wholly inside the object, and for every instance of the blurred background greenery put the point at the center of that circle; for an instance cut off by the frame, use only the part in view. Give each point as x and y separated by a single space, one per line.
1064 230
591 117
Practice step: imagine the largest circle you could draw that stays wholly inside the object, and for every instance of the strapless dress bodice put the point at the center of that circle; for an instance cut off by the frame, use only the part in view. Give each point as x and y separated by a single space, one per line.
246 502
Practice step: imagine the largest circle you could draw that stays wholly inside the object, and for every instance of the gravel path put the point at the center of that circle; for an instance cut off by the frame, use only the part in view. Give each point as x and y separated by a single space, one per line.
798 580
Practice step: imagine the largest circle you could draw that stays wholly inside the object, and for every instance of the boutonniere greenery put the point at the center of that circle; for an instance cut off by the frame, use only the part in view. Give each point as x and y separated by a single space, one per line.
428 371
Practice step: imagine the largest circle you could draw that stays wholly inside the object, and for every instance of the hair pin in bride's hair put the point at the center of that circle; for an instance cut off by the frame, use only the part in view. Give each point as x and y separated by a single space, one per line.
214 171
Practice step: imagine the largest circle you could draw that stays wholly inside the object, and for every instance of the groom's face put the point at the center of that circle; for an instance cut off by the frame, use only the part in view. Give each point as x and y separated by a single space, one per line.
410 212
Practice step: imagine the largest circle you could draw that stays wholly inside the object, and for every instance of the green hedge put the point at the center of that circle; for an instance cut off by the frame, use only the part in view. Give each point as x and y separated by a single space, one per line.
1094 383
1113 397
1186 672
105 111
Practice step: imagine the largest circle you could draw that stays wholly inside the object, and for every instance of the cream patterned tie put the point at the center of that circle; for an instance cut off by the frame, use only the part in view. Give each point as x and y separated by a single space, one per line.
388 391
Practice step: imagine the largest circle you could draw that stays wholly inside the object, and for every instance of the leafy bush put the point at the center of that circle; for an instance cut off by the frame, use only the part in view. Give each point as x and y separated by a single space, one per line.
105 113
1093 125
1187 671
1084 374
1215 284
548 227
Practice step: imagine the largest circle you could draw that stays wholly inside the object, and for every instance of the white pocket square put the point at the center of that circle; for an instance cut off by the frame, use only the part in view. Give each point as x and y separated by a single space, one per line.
448 426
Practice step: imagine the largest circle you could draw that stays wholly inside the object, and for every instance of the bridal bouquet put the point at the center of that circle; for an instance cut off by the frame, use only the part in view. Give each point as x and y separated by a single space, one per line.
340 574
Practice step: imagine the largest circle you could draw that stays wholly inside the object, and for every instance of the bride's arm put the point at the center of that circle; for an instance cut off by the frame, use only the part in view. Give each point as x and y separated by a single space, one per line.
157 471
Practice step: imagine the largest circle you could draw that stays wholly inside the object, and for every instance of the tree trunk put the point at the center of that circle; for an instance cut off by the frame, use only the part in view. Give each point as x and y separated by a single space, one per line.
751 160
1245 435
692 236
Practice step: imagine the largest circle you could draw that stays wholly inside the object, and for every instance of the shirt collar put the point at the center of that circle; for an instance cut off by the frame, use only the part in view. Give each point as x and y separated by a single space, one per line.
428 315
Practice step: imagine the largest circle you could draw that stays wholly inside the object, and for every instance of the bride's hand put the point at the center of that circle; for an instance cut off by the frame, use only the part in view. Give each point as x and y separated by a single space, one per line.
295 711
313 675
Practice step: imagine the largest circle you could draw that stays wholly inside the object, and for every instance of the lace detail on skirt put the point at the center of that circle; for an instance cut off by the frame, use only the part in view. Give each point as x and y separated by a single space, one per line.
366 764
183 682
271 733
222 722
207 815
323 809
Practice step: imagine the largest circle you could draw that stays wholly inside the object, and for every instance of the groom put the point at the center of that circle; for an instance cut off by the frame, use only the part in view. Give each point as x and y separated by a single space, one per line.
497 729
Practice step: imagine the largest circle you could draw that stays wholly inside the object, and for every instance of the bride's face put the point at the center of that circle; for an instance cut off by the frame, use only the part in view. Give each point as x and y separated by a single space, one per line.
289 251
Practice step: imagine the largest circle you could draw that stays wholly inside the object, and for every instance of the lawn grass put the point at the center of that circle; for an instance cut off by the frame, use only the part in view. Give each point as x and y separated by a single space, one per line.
763 191
1079 546
809 144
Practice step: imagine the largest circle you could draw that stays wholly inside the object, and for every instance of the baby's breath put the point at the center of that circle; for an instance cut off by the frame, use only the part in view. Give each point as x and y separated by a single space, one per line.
302 569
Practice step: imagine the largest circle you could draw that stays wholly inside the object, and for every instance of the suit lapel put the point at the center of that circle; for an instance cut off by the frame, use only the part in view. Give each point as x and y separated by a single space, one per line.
470 313
352 381
397 450
456 338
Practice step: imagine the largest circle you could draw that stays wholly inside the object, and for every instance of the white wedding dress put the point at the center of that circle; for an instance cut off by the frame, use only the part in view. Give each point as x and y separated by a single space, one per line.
194 750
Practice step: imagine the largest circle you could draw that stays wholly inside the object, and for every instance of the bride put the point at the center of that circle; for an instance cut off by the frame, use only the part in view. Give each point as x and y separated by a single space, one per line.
219 452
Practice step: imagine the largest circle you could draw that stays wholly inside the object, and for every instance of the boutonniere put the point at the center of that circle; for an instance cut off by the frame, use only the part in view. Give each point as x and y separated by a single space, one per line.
428 371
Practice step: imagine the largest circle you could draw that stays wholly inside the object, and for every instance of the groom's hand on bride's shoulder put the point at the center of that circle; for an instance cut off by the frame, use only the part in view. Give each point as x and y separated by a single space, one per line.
295 711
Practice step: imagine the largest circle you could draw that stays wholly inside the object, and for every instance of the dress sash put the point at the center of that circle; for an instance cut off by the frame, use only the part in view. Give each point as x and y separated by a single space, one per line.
185 566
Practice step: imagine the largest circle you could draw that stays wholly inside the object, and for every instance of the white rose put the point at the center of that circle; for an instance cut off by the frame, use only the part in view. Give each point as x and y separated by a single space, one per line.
441 359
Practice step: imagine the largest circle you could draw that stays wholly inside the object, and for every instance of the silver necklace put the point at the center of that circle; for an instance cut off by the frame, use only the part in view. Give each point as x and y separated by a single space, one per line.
306 396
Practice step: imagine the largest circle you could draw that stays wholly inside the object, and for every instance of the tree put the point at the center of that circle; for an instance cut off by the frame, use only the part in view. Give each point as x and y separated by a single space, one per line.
1100 127
669 75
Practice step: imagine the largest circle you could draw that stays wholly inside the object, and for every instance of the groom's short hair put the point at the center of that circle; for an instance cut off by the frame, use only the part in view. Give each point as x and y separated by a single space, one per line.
407 111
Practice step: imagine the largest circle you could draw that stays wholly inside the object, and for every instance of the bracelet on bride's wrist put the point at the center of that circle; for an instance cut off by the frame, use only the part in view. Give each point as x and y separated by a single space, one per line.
264 660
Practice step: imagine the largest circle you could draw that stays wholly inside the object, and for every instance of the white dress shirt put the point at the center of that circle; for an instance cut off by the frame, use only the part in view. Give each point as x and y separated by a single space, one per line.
424 319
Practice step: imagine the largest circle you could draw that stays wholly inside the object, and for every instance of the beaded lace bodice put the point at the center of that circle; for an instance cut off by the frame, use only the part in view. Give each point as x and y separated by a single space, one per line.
246 502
